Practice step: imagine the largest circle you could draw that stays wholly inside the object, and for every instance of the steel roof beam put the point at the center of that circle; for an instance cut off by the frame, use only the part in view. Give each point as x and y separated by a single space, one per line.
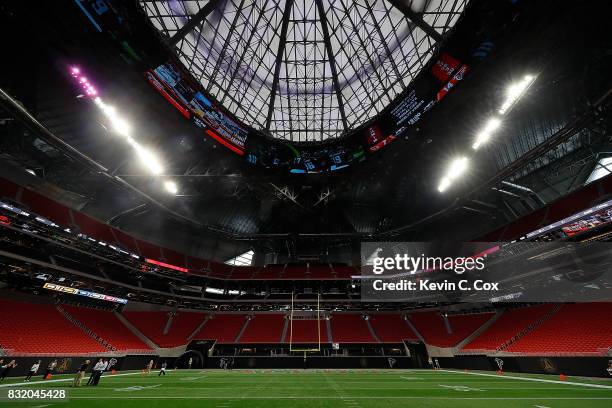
417 19
332 61
279 57
193 22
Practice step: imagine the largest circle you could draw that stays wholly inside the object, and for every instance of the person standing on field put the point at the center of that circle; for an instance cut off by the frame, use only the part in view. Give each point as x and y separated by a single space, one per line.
80 374
162 369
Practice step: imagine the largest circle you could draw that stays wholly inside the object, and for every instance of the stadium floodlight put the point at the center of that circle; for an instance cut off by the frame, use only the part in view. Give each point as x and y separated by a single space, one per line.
485 134
170 186
444 184
148 159
514 93
121 126
457 167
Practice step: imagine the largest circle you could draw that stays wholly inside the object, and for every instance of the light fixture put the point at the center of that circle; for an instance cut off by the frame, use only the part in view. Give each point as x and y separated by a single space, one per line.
515 91
457 167
485 134
148 159
444 184
121 126
171 187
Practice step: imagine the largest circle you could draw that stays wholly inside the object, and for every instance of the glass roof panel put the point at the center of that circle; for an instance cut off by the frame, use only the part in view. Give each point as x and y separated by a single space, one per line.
283 67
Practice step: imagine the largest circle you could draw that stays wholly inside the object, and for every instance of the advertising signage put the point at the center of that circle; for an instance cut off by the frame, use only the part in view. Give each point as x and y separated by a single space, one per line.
176 87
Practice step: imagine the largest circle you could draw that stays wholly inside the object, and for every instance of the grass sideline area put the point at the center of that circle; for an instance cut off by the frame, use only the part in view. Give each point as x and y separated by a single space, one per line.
322 388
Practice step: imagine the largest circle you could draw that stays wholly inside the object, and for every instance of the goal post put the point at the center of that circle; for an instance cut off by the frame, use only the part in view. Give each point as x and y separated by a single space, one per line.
318 319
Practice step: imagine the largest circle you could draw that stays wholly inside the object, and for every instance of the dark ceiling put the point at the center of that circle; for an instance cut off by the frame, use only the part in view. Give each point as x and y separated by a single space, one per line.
225 206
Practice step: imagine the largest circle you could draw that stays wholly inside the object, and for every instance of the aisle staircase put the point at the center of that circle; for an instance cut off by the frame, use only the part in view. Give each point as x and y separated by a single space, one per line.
534 325
85 329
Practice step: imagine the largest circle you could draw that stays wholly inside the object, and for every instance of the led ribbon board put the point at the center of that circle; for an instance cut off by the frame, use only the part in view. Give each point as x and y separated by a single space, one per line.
81 292
166 265
176 87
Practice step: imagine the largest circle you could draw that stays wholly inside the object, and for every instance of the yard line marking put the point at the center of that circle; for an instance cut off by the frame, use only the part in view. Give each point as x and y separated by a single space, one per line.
534 379
60 380
339 398
409 378
41 406
541 406
460 388
138 388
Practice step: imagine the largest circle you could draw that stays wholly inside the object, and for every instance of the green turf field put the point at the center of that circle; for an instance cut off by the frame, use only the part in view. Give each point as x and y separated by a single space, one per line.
323 388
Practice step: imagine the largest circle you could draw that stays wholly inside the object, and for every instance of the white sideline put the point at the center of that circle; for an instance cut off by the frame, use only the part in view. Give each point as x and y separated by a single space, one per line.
531 379
55 381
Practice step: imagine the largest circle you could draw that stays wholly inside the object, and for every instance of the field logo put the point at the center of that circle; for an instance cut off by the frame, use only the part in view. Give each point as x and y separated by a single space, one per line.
391 362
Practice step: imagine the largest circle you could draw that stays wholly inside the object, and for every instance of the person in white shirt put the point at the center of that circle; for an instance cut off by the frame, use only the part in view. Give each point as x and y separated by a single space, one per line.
33 370
149 367
94 372
103 368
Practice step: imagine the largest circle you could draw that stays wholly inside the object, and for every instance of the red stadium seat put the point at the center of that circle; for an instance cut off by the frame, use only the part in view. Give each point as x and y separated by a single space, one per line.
223 328
41 329
350 328
305 331
152 325
431 326
510 323
391 328
107 326
584 328
264 328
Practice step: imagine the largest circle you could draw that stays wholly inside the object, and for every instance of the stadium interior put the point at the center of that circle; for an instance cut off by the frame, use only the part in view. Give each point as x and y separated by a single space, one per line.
206 186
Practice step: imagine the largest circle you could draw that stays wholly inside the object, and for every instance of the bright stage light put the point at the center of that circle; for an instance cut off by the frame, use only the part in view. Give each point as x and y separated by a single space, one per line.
485 134
171 187
514 92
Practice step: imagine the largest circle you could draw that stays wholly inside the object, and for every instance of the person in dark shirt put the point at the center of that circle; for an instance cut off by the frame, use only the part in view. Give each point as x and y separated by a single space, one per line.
80 374
162 369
